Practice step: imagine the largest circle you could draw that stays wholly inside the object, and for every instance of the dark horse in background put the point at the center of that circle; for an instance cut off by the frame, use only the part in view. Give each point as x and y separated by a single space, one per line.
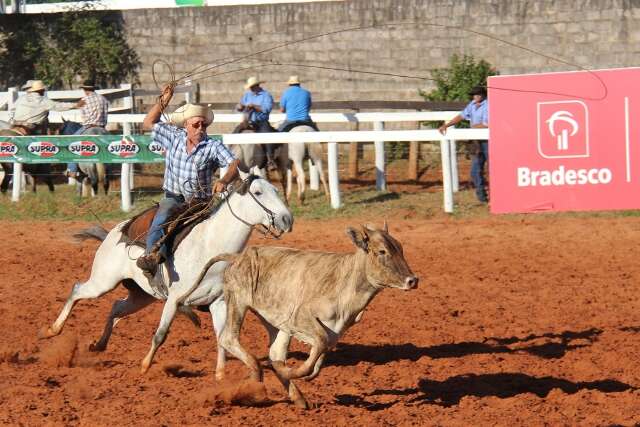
36 170
90 173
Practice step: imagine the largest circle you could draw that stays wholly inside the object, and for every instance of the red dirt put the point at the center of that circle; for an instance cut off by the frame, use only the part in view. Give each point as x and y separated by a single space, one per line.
517 320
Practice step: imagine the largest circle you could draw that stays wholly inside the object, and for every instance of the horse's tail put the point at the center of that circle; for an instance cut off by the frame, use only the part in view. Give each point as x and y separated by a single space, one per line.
230 258
96 232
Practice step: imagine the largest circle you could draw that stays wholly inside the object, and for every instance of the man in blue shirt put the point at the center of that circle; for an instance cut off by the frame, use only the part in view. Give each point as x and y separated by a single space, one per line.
477 112
257 103
296 103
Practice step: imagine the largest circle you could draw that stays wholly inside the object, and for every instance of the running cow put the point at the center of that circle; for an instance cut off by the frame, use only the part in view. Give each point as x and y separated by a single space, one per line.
312 296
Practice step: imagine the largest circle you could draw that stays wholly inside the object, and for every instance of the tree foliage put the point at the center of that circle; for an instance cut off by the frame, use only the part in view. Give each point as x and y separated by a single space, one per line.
63 49
454 82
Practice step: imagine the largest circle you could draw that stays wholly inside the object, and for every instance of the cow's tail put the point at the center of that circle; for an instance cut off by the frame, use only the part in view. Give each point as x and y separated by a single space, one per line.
230 258
96 232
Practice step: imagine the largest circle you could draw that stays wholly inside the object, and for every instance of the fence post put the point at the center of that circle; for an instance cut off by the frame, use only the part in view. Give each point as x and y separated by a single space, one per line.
126 127
314 176
17 181
414 152
13 97
125 175
124 187
445 153
455 179
381 179
334 184
188 96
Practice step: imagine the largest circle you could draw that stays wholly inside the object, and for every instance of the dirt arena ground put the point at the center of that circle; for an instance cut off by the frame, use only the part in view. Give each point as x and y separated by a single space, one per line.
519 320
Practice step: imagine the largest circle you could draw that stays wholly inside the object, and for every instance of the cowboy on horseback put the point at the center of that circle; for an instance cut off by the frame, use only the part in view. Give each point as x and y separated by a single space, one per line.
191 159
295 103
30 113
257 103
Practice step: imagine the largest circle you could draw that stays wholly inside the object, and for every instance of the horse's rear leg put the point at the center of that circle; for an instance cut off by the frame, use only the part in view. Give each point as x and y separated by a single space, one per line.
90 289
218 310
301 179
135 301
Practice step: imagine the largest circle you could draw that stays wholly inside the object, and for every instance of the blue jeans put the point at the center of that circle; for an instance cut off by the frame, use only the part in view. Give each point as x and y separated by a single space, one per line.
170 202
477 170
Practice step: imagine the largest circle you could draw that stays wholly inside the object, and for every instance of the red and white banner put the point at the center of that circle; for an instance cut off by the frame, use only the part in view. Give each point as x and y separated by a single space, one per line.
565 141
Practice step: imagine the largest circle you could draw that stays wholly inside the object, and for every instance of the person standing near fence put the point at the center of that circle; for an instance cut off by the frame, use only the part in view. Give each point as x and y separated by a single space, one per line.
295 102
477 112
94 110
30 113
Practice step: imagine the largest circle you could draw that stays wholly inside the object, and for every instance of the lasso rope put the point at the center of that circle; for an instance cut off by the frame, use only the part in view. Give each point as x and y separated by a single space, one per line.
200 72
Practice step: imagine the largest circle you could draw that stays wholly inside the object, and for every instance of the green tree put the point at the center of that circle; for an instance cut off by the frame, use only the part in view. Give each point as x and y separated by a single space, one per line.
65 48
454 82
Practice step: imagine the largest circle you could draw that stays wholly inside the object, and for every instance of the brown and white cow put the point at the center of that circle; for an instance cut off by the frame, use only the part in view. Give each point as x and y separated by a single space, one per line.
312 296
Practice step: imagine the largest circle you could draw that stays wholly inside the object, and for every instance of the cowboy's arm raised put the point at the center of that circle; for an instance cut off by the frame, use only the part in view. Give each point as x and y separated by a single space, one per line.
153 116
230 176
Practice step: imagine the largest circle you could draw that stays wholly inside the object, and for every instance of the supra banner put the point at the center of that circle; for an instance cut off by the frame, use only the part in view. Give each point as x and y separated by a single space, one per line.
565 141
82 148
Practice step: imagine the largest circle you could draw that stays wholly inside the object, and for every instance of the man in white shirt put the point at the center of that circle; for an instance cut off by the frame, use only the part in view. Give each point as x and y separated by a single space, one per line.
31 111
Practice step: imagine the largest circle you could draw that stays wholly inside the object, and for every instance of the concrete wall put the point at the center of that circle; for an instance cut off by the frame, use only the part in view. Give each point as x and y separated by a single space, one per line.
590 33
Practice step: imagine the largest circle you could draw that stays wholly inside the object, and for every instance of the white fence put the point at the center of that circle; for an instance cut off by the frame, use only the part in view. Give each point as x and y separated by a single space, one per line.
378 136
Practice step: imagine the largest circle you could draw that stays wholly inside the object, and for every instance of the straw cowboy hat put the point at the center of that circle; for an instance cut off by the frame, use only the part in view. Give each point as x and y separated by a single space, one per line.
293 80
187 111
27 85
252 81
36 85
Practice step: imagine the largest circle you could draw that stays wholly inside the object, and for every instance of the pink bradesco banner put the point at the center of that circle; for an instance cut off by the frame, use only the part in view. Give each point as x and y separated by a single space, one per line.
565 141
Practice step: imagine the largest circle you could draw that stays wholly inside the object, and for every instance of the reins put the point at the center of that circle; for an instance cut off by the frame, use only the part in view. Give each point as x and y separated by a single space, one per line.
270 231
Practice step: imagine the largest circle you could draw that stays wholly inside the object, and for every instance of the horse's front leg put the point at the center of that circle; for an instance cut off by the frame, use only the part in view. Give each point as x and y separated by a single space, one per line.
168 314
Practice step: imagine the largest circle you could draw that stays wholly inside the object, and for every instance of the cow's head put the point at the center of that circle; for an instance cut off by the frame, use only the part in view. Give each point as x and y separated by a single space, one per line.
385 264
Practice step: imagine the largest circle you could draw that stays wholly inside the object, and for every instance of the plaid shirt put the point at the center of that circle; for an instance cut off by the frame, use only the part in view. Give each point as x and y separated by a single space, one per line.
190 174
94 112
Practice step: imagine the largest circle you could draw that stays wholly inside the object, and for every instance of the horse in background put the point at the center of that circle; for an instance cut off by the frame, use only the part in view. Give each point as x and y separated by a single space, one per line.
253 157
298 152
91 173
37 171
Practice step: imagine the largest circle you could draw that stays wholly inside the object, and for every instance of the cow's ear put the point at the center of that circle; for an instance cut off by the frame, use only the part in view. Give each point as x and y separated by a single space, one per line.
359 239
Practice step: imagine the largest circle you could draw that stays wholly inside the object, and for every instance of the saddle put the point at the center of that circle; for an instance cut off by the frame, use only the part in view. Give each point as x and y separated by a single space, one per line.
178 226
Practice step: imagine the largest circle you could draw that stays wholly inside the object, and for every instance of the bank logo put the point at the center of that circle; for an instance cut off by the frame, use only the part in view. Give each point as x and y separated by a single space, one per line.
563 129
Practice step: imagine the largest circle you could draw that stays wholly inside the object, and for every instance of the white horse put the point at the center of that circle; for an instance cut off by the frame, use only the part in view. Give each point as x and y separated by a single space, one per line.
225 231
297 153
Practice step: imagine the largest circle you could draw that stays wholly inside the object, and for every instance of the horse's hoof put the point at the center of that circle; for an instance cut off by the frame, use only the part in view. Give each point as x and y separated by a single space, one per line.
94 347
144 368
46 333
301 403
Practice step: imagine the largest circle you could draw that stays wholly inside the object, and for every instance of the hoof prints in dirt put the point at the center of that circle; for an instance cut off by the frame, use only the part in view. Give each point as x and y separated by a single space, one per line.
450 391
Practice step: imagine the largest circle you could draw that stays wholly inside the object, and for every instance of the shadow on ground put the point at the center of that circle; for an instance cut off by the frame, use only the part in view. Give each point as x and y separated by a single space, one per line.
504 385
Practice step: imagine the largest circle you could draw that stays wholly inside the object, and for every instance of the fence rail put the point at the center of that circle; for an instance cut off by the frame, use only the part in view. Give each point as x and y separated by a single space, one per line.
447 146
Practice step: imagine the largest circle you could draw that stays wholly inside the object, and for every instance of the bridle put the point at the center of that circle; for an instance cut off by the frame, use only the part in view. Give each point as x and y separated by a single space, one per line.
270 231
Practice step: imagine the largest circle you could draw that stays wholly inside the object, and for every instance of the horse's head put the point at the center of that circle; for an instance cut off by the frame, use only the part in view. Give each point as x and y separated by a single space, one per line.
261 205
